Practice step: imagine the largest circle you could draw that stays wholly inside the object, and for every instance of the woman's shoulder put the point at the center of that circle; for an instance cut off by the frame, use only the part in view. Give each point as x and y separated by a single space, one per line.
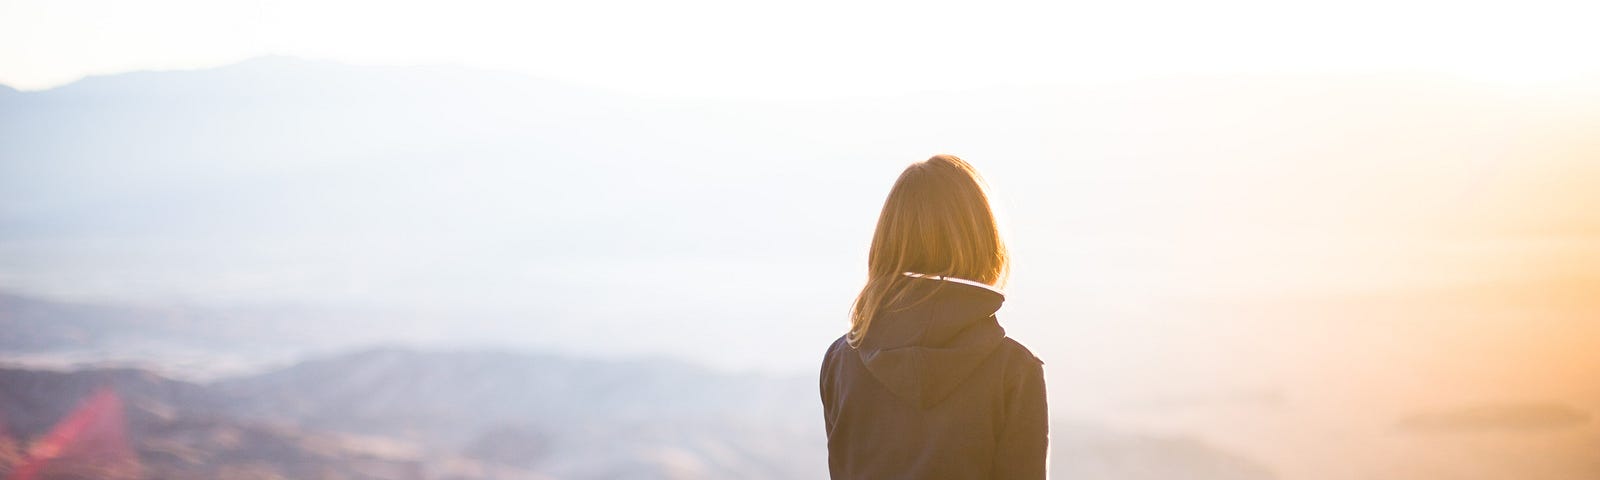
836 348
1020 366
1014 350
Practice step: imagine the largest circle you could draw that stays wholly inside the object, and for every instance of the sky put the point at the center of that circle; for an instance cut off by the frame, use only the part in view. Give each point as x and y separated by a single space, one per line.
824 48
1307 160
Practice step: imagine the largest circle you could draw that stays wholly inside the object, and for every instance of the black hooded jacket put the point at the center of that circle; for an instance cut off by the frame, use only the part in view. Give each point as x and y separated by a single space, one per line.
935 391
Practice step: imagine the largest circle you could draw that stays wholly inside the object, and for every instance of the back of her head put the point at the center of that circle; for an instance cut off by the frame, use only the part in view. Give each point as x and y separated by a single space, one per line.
936 221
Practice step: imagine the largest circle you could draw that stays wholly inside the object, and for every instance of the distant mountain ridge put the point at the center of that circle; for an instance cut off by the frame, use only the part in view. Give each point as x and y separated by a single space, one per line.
183 431
401 413
595 419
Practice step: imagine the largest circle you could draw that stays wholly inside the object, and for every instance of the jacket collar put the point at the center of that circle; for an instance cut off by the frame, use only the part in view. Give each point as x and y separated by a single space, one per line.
923 352
963 281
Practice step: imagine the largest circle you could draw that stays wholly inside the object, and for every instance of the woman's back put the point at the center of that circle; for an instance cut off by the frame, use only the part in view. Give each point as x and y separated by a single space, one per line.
936 391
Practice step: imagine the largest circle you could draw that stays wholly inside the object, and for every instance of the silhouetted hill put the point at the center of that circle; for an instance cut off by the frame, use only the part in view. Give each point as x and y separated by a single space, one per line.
400 413
440 415
33 400
180 430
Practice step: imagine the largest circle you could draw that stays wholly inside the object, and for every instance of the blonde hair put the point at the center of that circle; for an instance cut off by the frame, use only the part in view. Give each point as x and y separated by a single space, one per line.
936 221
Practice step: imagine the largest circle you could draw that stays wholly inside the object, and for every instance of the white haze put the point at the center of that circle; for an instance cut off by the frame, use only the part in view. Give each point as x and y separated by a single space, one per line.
1270 261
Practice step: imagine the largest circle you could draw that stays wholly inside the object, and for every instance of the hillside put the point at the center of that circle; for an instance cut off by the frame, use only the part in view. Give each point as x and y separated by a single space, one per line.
398 413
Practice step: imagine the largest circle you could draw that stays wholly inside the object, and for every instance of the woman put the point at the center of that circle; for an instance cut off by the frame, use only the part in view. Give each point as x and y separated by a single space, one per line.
926 384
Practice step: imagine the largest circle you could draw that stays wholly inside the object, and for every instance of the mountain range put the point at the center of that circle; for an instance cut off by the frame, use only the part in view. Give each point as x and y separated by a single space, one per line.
403 413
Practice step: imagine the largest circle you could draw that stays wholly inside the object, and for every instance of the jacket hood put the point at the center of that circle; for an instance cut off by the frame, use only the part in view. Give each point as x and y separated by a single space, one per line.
924 352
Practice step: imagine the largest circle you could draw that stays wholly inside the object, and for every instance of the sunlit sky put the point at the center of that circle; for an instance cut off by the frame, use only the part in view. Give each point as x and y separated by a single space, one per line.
820 48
